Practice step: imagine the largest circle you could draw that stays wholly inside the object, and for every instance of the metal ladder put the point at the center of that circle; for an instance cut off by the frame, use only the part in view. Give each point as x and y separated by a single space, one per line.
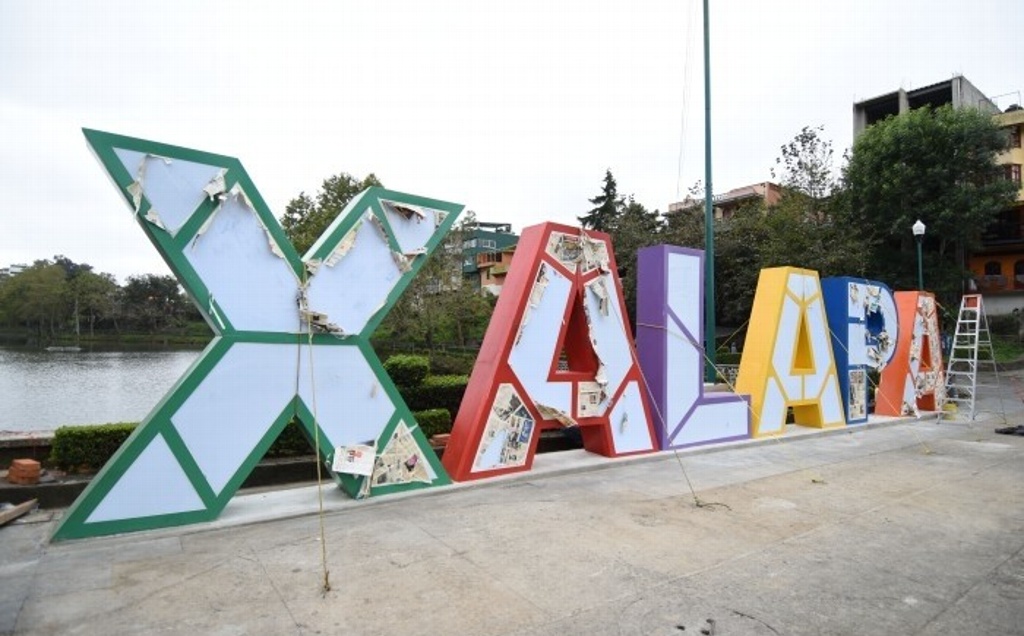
972 336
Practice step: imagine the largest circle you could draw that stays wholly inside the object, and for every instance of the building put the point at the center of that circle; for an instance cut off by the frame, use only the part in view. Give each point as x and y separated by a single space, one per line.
486 251
956 91
997 268
13 270
725 205
493 267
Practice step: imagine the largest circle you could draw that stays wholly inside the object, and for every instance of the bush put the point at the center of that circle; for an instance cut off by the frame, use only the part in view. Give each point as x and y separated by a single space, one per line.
434 421
452 362
1003 325
88 447
407 370
436 392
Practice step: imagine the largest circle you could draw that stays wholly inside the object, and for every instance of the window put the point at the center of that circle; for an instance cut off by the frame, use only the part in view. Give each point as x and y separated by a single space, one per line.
993 268
1013 173
1015 136
1018 275
489 243
468 245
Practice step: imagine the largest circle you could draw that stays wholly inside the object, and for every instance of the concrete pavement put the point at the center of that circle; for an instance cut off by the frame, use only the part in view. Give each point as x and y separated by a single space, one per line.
906 527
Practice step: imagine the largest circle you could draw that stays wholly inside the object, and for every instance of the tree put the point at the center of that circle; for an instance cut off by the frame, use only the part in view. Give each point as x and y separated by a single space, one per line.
93 296
37 297
935 165
805 166
437 308
152 303
305 218
637 227
608 207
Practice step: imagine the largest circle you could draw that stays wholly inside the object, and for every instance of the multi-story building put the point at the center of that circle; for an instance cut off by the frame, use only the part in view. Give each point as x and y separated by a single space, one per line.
998 266
725 205
484 251
13 270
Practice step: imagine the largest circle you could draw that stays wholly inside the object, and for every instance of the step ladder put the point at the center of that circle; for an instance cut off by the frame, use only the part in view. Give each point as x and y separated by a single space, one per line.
970 351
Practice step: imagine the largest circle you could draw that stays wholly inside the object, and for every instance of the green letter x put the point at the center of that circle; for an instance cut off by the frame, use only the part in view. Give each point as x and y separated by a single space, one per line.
292 339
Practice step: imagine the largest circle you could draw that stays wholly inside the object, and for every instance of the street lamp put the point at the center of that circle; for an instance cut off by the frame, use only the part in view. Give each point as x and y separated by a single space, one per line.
918 231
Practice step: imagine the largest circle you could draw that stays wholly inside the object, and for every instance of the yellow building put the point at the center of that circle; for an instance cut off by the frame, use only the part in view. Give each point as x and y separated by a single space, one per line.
998 267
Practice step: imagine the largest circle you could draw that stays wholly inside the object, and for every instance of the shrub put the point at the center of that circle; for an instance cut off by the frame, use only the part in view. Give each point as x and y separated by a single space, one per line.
87 447
434 421
1004 325
407 370
452 362
436 391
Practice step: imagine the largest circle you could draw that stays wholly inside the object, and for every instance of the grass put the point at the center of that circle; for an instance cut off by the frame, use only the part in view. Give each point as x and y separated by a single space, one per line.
1007 348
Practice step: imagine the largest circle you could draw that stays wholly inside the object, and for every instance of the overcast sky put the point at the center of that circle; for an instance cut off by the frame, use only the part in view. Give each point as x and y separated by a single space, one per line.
514 109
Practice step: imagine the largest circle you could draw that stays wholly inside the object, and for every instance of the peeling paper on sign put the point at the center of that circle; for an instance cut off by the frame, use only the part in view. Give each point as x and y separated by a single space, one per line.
540 285
216 186
135 188
551 413
402 261
594 253
238 194
510 424
408 212
589 397
381 230
599 288
401 461
344 245
439 217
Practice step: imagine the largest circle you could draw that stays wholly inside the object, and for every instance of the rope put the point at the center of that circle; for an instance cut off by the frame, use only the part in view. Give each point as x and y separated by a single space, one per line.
325 586
799 466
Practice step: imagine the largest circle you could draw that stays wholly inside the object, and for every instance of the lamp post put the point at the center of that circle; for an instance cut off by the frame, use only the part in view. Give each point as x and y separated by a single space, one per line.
918 230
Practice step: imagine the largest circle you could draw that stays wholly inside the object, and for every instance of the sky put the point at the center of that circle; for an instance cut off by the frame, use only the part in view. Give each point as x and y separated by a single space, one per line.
515 109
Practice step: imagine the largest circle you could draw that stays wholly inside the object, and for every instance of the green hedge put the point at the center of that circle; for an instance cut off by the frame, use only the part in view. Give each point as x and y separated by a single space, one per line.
434 421
436 392
87 447
407 370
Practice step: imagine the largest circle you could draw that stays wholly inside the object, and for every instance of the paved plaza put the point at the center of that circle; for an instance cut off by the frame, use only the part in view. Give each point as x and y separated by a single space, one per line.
899 527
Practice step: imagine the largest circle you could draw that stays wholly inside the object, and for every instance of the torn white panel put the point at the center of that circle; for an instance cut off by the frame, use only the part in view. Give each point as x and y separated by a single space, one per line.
356 286
254 287
628 422
174 189
409 225
532 357
608 335
216 186
343 247
401 262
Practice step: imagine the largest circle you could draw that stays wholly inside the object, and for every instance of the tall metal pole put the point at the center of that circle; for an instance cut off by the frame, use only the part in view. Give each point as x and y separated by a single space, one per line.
709 218
920 264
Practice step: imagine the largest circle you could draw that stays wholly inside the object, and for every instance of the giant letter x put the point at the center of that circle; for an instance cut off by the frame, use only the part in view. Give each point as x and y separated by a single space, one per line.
292 338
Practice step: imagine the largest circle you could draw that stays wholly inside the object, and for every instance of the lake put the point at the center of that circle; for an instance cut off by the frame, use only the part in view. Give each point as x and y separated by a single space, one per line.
42 390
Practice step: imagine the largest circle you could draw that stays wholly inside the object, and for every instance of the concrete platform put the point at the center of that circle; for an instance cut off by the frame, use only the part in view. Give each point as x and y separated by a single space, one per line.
902 527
